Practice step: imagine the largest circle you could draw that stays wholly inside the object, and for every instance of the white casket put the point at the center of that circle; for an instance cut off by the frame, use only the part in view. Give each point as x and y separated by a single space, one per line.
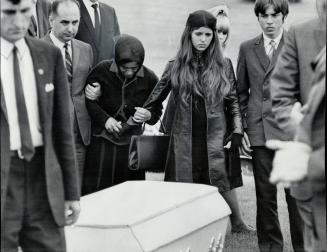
149 216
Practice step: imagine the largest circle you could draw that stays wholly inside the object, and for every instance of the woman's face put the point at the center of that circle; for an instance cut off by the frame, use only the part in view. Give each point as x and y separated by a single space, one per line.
201 38
129 69
222 36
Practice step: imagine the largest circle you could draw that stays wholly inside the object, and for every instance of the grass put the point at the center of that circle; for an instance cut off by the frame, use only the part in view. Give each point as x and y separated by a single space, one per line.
247 202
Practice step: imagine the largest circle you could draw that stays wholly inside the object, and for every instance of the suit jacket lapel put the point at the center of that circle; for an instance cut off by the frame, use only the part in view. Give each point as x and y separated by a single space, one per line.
39 64
259 50
3 103
75 58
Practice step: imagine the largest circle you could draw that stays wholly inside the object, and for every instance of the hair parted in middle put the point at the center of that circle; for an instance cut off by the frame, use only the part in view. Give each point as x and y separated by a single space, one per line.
184 75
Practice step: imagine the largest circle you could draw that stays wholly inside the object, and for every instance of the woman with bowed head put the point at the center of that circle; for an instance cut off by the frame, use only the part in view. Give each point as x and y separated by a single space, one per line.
123 85
202 85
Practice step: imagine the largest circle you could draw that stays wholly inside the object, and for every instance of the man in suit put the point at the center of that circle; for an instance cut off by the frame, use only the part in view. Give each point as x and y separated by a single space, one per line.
98 27
39 25
256 61
39 182
291 83
305 156
78 58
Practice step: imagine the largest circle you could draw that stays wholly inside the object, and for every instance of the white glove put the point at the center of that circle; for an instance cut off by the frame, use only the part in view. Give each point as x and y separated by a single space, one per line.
290 163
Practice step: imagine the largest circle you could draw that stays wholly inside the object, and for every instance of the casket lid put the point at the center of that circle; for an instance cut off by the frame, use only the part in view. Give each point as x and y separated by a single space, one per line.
133 202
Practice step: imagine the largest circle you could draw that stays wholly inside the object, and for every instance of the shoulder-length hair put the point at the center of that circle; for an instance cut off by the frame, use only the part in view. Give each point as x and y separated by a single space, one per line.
184 74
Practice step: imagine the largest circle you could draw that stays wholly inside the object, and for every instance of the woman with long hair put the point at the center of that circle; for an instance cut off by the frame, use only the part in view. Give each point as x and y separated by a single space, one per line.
203 94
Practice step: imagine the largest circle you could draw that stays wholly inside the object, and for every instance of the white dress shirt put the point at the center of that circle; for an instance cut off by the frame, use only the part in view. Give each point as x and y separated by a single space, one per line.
61 45
29 88
88 4
267 40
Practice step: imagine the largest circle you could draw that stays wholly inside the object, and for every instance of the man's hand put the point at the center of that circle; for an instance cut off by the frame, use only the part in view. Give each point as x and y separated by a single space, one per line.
112 125
141 115
290 163
93 91
245 148
72 210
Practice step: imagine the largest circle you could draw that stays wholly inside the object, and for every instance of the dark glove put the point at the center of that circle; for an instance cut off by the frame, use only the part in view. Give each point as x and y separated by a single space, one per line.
236 141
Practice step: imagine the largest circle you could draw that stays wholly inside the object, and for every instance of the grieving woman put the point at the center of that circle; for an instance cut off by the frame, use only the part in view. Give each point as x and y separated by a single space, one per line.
116 114
203 98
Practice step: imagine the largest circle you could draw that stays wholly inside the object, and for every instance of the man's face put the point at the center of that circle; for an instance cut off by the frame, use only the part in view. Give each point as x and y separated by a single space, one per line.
65 23
271 22
15 19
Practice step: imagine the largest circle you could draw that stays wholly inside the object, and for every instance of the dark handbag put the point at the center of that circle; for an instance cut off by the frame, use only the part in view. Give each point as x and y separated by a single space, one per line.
148 153
232 163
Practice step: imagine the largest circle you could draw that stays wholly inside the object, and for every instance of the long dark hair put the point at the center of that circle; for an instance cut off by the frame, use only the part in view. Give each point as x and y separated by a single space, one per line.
184 76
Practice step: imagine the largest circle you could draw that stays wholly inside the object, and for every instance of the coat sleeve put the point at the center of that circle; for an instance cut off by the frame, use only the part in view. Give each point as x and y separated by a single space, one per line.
243 84
232 102
158 95
97 114
284 84
63 131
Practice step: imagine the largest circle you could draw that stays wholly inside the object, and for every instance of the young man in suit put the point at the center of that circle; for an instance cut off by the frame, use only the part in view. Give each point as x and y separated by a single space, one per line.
291 83
256 61
39 182
98 27
78 58
39 25
304 157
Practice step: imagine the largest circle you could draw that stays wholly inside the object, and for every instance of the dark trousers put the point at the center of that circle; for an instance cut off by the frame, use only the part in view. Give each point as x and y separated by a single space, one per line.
268 228
27 219
80 152
107 165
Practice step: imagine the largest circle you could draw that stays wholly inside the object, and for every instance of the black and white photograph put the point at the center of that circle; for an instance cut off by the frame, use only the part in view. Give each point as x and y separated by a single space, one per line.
163 125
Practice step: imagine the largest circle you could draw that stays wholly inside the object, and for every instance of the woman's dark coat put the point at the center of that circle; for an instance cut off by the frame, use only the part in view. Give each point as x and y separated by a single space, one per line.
118 99
107 156
179 158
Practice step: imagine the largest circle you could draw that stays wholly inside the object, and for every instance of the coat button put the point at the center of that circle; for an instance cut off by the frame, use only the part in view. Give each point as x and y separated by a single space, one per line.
264 98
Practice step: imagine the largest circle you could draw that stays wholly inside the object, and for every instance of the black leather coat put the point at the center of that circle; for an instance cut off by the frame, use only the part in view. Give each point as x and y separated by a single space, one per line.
179 158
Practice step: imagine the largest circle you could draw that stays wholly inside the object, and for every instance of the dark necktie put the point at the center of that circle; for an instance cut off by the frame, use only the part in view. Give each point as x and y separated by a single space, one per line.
69 64
271 50
96 21
27 148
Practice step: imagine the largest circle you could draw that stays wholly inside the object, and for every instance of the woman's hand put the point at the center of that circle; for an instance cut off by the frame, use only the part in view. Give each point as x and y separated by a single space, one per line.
236 141
112 125
93 91
141 115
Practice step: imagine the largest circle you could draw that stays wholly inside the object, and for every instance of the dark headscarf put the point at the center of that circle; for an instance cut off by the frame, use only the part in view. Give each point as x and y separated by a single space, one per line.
128 49
201 18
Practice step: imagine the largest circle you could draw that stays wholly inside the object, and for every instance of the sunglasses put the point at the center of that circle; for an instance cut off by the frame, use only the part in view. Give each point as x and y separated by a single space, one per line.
225 32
